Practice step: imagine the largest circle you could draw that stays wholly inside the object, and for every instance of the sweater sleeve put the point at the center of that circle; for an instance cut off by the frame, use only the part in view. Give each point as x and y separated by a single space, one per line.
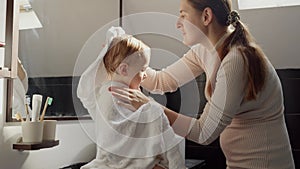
224 103
182 71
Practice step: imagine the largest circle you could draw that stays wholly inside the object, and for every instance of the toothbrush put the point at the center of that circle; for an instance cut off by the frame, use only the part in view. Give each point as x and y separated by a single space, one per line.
27 102
47 102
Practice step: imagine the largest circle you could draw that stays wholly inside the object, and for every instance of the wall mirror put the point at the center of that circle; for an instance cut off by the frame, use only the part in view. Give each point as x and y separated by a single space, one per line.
48 54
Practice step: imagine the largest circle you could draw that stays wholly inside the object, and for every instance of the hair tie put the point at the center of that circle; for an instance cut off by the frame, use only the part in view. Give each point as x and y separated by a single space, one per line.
233 18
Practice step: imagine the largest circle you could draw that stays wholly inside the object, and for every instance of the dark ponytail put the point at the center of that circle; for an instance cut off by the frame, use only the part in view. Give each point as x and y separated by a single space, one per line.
251 52
242 39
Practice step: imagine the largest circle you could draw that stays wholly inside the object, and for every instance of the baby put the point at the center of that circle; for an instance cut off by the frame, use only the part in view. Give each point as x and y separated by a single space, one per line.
140 139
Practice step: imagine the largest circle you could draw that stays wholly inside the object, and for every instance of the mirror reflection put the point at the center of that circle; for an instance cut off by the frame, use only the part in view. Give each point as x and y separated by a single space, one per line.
47 54
20 88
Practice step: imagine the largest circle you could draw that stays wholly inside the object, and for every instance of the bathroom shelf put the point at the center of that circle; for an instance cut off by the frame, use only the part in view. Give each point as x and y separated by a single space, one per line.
35 146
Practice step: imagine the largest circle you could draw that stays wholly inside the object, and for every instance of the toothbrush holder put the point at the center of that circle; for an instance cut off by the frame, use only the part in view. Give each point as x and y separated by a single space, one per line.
49 130
32 132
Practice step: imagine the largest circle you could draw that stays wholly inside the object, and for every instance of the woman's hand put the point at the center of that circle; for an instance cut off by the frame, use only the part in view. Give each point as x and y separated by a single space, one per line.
132 99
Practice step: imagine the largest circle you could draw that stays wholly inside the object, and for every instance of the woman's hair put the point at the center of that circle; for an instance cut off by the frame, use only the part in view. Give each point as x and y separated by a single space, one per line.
240 37
120 48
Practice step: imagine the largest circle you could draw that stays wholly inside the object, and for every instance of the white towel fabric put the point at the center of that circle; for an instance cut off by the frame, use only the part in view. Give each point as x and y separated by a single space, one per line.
140 139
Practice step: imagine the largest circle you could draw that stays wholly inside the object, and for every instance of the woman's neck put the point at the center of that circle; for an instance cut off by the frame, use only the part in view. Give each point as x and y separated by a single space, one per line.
215 32
217 37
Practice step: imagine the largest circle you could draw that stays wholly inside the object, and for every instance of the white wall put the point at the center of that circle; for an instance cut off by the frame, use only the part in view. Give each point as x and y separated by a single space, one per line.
155 20
2 28
2 38
75 146
277 30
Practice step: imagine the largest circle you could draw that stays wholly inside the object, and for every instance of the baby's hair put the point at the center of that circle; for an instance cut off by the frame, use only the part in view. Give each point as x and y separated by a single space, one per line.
119 49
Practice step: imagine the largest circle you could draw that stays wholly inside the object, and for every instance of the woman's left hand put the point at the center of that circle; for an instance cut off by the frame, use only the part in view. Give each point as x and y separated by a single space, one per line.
132 99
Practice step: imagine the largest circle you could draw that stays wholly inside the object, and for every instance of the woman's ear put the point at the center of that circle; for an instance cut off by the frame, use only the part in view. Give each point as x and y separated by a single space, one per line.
207 16
123 69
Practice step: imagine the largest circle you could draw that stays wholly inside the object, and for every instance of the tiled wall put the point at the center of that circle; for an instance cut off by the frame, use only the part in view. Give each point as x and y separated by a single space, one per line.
63 92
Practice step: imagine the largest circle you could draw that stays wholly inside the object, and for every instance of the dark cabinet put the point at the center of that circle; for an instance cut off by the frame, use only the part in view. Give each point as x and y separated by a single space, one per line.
290 80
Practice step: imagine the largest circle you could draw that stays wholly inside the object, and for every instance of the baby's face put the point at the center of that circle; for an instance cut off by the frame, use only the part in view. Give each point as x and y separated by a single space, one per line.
137 70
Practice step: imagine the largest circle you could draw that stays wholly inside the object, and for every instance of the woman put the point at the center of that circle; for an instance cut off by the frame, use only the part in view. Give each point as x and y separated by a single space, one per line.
245 101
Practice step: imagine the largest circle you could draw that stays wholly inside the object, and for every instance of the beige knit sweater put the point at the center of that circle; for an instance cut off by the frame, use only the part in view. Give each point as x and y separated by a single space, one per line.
253 133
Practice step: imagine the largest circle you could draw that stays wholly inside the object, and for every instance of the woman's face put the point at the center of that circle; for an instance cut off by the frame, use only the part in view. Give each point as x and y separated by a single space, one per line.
190 23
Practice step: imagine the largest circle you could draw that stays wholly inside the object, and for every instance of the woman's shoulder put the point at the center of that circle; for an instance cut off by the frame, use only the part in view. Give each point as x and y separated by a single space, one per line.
234 58
234 53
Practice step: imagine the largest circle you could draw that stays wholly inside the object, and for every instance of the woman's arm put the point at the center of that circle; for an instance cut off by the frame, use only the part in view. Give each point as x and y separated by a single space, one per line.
172 115
225 101
182 71
181 124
